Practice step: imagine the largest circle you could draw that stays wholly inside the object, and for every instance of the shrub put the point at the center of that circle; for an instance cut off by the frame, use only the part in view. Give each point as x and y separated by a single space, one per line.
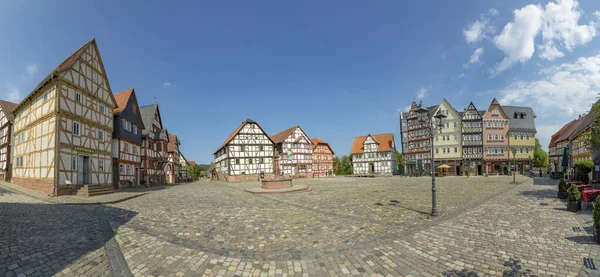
562 186
582 169
574 194
596 213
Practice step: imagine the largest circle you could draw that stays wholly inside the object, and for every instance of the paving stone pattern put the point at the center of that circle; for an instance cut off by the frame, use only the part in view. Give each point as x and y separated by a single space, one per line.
343 227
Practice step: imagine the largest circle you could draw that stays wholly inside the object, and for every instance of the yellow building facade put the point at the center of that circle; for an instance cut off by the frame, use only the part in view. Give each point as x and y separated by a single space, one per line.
521 136
447 144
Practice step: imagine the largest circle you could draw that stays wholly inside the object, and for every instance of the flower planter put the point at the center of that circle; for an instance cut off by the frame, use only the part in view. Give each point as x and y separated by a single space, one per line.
573 206
562 195
596 234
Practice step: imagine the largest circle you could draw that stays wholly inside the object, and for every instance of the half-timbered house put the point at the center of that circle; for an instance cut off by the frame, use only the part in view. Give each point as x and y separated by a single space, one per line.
495 139
127 140
63 129
472 141
184 168
246 155
154 147
295 152
173 165
322 158
447 141
374 154
6 122
418 156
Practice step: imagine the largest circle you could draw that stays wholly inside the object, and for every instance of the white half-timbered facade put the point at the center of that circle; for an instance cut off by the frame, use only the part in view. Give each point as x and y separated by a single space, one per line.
154 147
184 168
246 155
64 127
127 140
6 122
295 152
374 154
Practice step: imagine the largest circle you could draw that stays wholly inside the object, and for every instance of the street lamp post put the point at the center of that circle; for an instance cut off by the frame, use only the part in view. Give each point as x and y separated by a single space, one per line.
514 151
424 118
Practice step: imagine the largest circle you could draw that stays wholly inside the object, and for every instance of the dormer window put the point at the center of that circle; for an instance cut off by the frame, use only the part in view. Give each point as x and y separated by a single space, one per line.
515 116
522 115
495 112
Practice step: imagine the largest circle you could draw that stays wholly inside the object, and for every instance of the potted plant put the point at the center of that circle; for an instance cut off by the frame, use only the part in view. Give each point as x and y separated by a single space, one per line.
562 189
596 216
573 205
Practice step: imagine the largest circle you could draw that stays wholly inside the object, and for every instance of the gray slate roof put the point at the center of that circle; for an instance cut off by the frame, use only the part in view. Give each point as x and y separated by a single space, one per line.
7 108
526 124
147 113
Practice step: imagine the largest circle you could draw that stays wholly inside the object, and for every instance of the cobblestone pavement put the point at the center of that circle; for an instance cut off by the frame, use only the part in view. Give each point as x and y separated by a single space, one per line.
45 239
343 227
362 227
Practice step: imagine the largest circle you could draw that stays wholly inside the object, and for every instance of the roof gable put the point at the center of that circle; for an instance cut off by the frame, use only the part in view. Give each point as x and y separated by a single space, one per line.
7 108
128 107
238 129
148 113
283 135
385 142
495 105
445 105
66 64
317 141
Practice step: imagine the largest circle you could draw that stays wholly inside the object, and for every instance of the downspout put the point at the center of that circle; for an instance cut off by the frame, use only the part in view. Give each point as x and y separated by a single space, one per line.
56 134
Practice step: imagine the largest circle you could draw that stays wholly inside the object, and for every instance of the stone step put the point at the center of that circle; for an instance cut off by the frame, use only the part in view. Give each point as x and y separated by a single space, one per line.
92 190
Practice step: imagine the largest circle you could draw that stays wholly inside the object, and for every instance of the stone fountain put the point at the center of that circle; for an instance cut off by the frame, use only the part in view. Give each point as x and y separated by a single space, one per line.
277 184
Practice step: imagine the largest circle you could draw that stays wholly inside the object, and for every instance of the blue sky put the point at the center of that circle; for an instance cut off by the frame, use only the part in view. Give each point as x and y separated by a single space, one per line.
339 69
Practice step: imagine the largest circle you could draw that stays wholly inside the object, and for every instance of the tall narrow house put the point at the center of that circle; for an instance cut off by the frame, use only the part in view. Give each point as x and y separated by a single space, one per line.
447 143
295 152
418 158
521 136
245 155
127 140
6 122
322 158
495 136
173 157
154 147
472 141
374 154
63 128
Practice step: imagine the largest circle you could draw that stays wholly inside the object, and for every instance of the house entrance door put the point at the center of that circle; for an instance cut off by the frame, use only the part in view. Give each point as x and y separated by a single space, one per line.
371 168
83 170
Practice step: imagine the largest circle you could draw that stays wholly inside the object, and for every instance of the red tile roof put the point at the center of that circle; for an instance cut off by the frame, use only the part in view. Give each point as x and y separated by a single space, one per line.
569 130
192 163
317 141
122 99
172 142
385 142
281 136
7 108
236 131
555 137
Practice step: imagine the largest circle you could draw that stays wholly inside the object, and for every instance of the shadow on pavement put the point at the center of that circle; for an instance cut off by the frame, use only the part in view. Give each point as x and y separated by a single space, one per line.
44 239
514 269
544 182
581 239
540 194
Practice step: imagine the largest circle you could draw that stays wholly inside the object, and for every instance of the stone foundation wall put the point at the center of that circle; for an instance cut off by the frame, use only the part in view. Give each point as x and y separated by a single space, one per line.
45 186
247 177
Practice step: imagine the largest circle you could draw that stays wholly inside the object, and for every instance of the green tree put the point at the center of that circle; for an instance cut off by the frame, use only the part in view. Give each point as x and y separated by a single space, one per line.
399 158
582 169
195 172
594 137
343 165
540 157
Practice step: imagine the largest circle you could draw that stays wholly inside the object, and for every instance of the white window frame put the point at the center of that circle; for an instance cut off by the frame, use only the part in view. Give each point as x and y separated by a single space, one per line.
78 97
100 135
74 163
102 109
101 165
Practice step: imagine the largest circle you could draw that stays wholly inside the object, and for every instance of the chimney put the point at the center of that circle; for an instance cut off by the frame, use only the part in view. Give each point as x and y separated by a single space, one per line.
579 117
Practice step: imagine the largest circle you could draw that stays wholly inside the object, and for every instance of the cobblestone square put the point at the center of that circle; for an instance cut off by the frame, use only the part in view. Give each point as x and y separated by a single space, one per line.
344 226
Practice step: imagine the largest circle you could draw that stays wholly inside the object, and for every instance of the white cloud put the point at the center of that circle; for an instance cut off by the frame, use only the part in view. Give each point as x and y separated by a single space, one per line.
475 31
561 26
169 85
31 69
558 25
562 91
476 55
545 132
12 94
480 28
517 37
460 76
420 94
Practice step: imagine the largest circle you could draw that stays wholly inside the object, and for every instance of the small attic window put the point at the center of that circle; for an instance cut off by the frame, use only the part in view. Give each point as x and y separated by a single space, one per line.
515 116
522 115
